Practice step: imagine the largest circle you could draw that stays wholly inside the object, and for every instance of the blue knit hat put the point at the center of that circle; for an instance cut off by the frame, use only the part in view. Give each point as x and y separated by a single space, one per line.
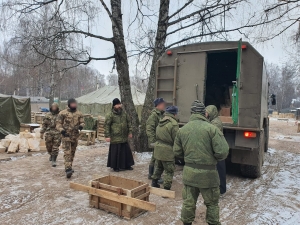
172 109
158 101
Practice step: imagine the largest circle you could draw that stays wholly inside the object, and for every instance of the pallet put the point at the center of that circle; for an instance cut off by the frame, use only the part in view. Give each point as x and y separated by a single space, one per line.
36 117
88 137
124 197
100 128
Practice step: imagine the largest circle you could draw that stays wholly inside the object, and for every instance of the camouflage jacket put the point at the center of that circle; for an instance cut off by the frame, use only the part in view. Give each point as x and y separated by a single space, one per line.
165 135
70 122
214 116
117 127
201 144
49 123
152 123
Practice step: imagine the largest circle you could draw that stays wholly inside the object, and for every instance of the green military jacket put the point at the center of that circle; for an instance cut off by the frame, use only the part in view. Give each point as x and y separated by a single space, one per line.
117 127
165 135
49 123
152 123
214 116
201 144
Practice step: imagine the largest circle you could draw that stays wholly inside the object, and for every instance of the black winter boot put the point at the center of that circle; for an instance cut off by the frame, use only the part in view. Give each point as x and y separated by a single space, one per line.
154 183
69 173
54 160
151 171
187 223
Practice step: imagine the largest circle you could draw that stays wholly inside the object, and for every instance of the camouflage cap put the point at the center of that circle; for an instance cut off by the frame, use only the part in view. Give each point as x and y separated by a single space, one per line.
198 107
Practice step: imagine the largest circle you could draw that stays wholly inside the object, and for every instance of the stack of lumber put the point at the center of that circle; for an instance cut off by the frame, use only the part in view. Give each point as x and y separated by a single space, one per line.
100 128
23 142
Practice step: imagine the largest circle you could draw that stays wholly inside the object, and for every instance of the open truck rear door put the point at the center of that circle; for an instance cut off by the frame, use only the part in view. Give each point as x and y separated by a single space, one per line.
237 86
191 82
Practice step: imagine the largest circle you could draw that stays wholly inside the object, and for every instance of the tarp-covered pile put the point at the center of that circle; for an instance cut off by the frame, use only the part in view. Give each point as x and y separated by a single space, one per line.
99 102
14 110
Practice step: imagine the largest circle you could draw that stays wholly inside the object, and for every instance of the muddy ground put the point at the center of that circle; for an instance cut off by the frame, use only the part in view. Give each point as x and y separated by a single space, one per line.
31 192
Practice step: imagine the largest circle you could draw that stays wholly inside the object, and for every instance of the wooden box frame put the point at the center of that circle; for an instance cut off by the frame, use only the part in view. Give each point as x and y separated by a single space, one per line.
121 186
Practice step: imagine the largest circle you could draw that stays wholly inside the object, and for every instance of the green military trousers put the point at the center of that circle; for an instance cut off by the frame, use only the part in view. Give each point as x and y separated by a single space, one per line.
211 200
169 168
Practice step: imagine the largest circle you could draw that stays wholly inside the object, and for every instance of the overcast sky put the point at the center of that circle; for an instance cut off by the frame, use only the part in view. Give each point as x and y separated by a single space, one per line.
275 51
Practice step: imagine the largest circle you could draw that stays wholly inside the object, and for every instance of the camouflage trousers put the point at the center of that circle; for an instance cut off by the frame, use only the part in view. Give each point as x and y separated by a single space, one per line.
52 141
69 147
168 168
211 200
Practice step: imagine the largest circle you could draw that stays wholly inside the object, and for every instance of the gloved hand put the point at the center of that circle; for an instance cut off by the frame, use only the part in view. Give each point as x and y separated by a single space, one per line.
80 128
64 133
42 136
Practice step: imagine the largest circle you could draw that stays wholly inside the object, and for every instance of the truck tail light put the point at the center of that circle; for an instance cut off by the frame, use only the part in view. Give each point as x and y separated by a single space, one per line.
244 46
169 52
248 134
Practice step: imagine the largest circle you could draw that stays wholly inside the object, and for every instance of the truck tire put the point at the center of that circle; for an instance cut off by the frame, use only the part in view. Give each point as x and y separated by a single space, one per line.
255 171
266 129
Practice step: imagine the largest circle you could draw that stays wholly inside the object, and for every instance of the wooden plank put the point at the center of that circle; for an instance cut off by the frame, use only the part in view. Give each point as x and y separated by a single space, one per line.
144 186
143 195
162 192
114 197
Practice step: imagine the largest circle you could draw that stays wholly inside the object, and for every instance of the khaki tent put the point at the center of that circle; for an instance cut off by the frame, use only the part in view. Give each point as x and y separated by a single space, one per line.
14 110
99 102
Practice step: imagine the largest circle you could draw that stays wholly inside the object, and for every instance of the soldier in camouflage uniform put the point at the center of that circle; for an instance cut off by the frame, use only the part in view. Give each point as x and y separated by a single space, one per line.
52 135
201 144
163 151
151 125
70 121
213 115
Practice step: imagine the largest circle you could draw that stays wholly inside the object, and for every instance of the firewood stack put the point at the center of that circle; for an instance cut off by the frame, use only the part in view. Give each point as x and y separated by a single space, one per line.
100 128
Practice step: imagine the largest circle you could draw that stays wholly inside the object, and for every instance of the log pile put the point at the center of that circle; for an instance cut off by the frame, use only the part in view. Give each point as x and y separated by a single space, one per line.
23 142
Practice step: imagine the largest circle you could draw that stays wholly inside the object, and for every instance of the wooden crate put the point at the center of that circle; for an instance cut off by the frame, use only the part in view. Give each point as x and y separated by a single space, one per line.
124 197
120 186
88 137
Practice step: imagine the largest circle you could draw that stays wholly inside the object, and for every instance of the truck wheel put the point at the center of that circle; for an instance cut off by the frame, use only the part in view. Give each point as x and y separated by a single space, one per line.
255 171
251 171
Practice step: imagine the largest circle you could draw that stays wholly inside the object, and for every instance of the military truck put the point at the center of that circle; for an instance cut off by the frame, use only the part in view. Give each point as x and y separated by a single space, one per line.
230 75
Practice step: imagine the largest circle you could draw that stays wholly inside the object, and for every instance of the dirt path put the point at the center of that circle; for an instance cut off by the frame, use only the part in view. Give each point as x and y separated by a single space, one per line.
31 192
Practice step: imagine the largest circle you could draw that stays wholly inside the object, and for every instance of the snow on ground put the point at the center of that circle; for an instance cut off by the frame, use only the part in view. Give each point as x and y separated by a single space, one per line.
32 192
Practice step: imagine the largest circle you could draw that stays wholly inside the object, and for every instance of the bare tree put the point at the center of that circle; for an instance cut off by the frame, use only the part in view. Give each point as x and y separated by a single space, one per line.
282 84
192 21
112 79
74 22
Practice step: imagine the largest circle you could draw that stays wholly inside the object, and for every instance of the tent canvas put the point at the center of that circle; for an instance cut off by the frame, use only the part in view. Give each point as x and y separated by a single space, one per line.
99 102
14 110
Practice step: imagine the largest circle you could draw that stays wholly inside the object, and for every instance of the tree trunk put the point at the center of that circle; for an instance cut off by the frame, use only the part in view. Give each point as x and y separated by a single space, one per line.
52 84
160 41
123 69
